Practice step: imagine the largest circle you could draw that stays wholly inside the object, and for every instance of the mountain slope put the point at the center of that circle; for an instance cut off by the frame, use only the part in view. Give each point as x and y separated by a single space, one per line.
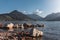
14 15
5 17
53 17
19 15
36 17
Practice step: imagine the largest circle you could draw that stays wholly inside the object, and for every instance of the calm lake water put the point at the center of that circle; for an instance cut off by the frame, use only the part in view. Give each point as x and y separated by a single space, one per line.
51 29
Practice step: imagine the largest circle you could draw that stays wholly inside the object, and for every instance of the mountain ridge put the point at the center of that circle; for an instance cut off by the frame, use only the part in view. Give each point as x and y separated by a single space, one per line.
36 17
14 15
53 17
20 16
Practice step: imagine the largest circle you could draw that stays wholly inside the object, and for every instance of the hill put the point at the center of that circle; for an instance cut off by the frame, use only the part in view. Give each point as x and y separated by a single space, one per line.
53 17
36 17
14 15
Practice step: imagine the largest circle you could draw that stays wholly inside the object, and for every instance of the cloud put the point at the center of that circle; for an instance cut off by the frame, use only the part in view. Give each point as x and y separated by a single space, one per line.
24 11
38 11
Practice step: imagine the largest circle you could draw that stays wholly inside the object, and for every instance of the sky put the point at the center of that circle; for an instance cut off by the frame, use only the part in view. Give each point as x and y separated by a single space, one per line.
41 7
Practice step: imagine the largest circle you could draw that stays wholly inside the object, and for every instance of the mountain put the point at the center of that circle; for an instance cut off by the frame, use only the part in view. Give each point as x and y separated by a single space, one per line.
19 15
5 17
53 17
14 15
36 17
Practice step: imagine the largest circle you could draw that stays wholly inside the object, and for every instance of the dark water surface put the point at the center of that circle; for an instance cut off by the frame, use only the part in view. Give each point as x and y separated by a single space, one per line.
51 29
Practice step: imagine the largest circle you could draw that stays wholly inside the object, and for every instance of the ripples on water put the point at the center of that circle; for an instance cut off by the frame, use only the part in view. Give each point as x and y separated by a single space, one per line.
51 29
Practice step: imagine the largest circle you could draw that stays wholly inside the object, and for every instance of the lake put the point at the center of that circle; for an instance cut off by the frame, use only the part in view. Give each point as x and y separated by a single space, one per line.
51 29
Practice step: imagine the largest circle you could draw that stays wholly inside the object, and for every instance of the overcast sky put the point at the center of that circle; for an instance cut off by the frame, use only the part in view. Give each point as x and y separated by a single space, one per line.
42 7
